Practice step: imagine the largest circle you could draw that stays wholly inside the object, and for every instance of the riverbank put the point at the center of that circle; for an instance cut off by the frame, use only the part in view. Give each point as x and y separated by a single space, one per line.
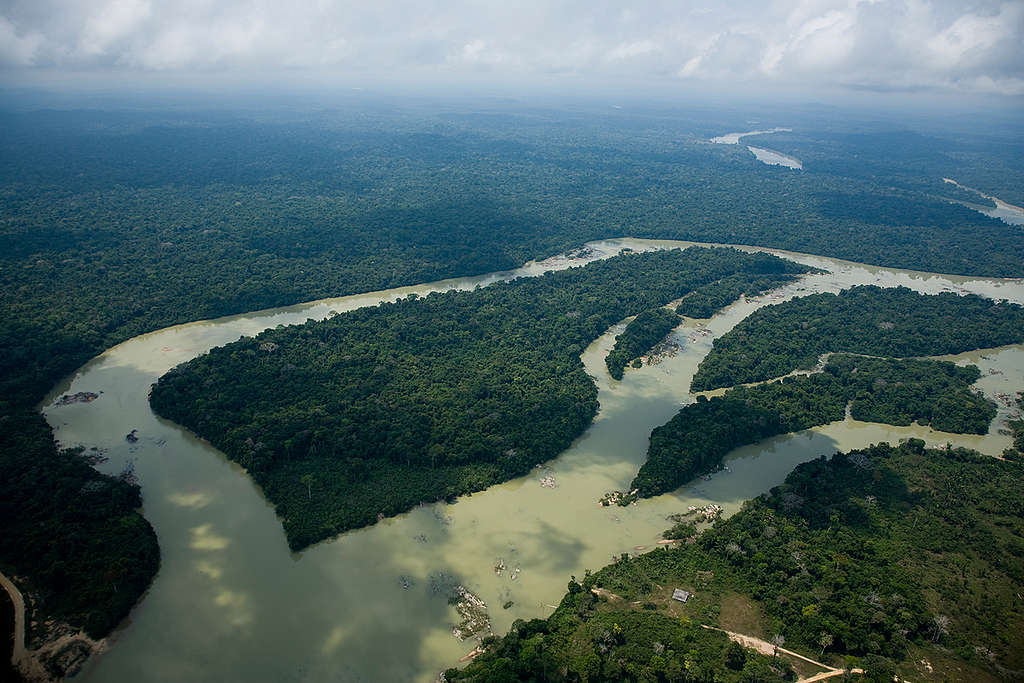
62 652
258 611
1008 213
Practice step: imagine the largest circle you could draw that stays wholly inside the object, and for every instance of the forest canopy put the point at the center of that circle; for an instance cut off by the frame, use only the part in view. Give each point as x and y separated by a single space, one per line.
705 301
896 392
640 335
892 322
893 553
374 411
116 223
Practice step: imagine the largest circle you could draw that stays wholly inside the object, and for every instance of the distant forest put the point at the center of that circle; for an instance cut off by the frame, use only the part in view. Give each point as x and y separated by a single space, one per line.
376 410
118 223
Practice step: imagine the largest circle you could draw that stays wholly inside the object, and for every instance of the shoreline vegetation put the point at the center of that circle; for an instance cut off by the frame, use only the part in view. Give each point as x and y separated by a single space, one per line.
704 302
365 415
120 223
641 335
895 560
869 320
850 330
889 391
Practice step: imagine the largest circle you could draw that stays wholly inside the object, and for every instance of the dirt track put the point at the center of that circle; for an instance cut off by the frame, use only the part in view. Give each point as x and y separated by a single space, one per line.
766 648
18 654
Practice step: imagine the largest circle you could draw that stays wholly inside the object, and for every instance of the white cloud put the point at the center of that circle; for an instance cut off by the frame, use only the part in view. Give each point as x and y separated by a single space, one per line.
17 49
638 48
863 43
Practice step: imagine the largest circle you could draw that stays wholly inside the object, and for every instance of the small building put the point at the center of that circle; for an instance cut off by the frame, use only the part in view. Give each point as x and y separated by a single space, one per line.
680 595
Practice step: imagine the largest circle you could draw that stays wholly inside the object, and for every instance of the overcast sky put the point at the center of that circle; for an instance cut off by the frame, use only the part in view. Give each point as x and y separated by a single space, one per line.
884 45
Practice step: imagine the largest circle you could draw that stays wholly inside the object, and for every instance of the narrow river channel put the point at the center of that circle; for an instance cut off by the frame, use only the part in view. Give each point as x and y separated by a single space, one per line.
232 603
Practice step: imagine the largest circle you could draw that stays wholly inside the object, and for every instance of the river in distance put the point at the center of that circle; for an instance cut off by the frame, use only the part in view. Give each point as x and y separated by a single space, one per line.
231 602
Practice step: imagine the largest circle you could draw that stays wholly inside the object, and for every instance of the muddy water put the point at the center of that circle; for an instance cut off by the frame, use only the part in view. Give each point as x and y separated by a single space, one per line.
1007 213
230 601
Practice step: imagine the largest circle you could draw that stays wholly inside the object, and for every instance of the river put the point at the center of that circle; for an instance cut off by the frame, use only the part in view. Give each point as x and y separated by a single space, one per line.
765 156
1007 213
230 602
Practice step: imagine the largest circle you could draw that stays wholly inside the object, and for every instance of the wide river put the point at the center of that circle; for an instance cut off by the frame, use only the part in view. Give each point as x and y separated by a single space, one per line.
231 602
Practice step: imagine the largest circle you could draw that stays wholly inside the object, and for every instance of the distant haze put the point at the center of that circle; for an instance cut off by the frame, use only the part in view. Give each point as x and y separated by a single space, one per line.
871 45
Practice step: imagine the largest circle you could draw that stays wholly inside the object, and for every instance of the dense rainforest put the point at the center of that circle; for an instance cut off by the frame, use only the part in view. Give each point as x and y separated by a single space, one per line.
374 411
896 392
889 558
589 639
704 302
639 337
897 322
1016 425
119 222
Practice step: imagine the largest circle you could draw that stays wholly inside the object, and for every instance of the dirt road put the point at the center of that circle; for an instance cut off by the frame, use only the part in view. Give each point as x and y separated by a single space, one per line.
18 654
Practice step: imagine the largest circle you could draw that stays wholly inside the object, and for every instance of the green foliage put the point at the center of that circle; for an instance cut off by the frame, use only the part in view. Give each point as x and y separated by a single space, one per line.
84 550
704 302
892 391
868 547
640 335
1016 451
117 223
421 399
895 322
586 641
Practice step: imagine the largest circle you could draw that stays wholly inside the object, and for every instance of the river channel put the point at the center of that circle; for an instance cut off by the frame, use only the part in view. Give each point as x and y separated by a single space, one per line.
230 602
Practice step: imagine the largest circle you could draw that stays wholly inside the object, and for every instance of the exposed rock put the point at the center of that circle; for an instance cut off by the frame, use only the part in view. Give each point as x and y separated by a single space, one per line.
80 397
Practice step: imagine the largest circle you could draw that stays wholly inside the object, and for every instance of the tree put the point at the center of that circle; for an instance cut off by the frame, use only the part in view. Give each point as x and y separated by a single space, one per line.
735 656
778 640
826 642
941 627
308 480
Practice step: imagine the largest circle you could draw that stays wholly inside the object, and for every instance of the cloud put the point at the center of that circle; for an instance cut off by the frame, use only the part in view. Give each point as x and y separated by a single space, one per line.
865 44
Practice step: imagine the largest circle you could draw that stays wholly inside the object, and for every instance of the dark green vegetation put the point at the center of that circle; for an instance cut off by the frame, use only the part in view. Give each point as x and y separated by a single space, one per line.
377 410
639 337
1016 451
893 553
704 302
588 639
8 674
911 160
896 392
895 322
86 552
116 223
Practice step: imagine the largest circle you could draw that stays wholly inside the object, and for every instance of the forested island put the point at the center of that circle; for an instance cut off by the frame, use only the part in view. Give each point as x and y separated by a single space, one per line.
896 392
894 322
650 327
121 222
371 412
704 302
886 558
640 335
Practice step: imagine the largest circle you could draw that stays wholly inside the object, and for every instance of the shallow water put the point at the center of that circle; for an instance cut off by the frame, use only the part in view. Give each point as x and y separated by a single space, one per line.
1007 213
773 158
734 138
231 602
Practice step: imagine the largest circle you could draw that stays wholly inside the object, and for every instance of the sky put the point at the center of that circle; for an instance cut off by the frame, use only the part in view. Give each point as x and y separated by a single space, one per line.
896 46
